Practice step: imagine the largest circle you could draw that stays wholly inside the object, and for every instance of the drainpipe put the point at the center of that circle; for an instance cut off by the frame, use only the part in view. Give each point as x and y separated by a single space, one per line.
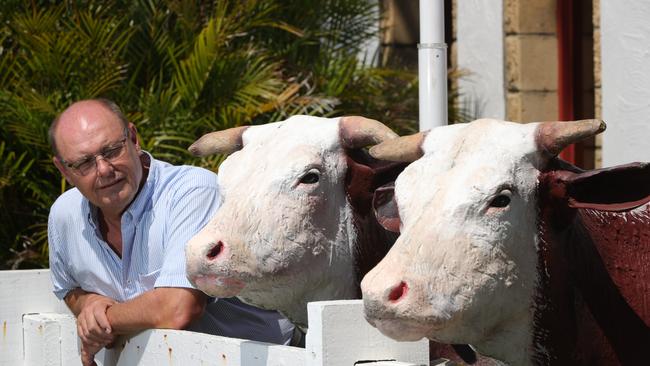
566 68
432 65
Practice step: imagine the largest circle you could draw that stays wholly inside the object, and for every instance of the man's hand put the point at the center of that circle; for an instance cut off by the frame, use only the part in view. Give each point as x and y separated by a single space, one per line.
93 327
88 354
92 324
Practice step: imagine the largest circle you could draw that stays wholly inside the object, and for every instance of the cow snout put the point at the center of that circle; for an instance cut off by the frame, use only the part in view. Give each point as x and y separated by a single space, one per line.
216 264
207 253
390 309
215 250
384 298
398 292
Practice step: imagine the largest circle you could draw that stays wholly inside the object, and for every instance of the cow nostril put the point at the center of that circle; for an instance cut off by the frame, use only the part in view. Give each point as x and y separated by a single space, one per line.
398 292
215 250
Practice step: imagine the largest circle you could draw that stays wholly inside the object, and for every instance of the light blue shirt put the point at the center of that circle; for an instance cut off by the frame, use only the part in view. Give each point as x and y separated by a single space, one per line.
173 205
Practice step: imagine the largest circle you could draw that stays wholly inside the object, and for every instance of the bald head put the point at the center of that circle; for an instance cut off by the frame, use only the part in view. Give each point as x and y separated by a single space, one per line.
83 113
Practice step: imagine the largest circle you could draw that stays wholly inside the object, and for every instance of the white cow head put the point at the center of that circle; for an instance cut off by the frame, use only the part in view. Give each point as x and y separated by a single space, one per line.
284 233
464 269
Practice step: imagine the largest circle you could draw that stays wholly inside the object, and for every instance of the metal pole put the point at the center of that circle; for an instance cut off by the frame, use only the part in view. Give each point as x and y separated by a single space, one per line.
432 65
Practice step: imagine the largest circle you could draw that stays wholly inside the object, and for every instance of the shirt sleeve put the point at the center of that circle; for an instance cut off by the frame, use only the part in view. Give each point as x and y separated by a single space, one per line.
191 210
62 281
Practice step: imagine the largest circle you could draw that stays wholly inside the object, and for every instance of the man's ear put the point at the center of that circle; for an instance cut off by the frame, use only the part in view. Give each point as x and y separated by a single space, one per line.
62 169
133 136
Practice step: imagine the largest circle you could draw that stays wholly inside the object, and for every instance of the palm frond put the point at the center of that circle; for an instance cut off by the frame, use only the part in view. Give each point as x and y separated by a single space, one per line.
12 167
193 72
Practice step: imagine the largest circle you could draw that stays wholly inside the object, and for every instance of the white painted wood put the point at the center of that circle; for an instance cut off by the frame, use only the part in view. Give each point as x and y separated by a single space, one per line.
625 75
480 52
398 363
37 329
22 292
50 340
339 335
175 347
42 341
390 363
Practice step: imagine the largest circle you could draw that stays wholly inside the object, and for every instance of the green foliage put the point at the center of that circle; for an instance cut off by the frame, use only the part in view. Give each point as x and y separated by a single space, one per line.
179 69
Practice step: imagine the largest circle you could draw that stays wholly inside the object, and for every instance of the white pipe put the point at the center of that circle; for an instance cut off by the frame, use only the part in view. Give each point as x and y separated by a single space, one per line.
432 65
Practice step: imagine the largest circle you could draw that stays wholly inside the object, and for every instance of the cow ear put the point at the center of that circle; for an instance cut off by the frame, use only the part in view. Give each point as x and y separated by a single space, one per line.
619 188
385 207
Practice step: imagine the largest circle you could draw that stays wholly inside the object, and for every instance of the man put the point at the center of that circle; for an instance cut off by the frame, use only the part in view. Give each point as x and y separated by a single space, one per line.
117 239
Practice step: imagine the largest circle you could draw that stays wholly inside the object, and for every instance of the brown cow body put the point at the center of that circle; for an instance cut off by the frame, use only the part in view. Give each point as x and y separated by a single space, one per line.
594 296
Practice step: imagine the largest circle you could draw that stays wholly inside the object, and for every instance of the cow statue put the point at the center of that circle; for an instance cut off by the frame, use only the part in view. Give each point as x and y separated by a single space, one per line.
506 247
296 224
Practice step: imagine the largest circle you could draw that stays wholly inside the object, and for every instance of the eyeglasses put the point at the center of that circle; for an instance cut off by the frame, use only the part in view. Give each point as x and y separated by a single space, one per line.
88 164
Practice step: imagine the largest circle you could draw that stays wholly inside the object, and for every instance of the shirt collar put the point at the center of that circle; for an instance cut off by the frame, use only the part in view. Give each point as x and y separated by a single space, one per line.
143 200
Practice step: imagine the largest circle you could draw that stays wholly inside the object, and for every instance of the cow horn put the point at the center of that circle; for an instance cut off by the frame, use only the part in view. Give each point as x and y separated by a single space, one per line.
405 148
219 142
553 137
357 131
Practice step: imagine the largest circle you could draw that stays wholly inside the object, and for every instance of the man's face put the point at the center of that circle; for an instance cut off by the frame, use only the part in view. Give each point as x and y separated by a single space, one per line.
112 181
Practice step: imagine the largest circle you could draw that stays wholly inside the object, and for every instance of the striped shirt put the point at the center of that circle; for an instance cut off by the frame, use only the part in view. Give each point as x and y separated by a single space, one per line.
174 204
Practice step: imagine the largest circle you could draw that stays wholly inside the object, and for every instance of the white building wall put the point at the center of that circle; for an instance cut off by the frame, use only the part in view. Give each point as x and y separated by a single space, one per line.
481 53
625 53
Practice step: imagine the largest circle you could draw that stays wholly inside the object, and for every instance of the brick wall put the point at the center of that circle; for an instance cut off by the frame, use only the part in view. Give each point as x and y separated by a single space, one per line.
531 57
530 54
531 60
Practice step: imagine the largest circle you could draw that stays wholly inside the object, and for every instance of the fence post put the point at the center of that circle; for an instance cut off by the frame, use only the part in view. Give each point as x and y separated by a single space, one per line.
339 335
50 340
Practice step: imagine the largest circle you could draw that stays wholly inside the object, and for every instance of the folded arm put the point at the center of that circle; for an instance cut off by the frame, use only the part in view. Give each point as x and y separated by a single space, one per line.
162 307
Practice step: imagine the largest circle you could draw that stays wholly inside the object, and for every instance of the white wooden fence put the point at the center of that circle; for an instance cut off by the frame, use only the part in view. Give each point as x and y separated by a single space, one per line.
37 329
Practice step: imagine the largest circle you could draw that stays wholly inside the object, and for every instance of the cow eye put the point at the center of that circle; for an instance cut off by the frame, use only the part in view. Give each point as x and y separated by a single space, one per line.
501 200
309 178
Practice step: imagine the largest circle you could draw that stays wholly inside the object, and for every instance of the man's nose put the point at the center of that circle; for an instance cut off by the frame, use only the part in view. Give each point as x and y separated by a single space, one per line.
104 167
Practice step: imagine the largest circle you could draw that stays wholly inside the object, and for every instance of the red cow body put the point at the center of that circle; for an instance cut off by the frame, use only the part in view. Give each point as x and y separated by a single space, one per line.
593 305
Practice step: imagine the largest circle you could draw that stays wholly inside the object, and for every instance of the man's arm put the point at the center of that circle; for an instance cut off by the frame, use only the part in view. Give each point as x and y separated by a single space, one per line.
100 318
90 309
78 299
162 307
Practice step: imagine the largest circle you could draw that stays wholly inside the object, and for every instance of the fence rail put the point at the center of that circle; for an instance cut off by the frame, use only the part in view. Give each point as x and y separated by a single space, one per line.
37 329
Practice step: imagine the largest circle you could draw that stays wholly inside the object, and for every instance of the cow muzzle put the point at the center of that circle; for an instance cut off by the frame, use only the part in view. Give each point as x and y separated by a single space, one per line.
391 310
213 265
382 295
383 301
